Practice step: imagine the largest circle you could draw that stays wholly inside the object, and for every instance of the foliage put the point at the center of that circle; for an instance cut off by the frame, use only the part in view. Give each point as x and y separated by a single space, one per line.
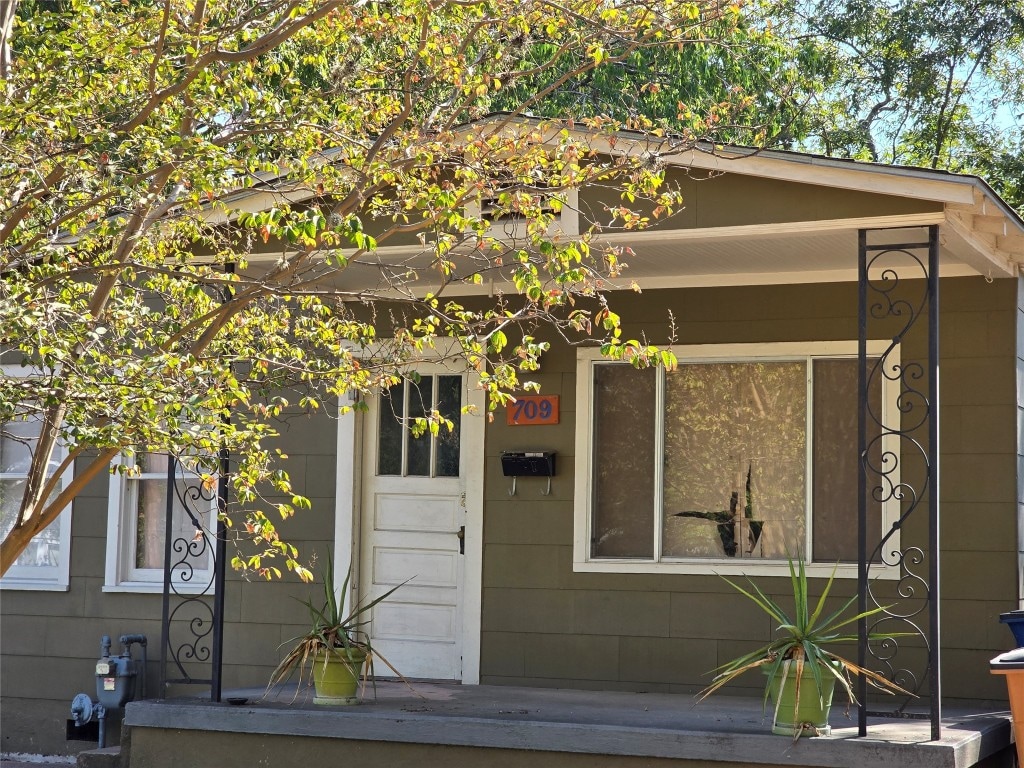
917 82
218 215
803 639
911 82
331 627
756 86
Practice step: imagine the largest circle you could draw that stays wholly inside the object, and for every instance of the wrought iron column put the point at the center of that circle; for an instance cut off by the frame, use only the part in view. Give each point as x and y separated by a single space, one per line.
188 626
862 518
195 647
220 551
898 293
220 556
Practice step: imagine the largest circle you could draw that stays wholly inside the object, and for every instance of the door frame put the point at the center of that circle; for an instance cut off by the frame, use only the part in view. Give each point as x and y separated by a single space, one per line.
348 510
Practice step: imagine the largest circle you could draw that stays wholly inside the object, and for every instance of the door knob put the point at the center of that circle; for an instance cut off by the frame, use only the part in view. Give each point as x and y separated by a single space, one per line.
461 533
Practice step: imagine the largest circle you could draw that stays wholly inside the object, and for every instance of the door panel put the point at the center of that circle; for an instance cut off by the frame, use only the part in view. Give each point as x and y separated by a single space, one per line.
434 513
410 536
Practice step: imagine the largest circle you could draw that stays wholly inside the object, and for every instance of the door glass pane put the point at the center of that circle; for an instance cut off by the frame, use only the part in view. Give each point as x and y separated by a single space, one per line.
449 404
421 402
735 460
624 424
836 464
389 442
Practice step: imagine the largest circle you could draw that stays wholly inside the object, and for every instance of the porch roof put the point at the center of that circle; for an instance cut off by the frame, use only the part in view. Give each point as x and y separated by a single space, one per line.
979 233
725 729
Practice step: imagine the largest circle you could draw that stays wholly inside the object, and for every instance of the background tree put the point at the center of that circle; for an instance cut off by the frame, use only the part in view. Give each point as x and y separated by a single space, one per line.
195 192
751 90
918 82
913 82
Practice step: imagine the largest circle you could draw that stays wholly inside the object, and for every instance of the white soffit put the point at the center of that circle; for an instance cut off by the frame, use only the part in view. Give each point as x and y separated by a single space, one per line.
806 257
801 252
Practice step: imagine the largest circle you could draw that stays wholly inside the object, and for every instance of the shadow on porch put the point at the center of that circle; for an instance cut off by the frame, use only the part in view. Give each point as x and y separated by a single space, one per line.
509 727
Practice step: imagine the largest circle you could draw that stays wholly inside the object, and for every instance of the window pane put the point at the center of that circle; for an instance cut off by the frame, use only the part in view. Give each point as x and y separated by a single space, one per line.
624 425
44 549
421 402
389 443
152 463
15 453
836 464
449 403
151 511
735 460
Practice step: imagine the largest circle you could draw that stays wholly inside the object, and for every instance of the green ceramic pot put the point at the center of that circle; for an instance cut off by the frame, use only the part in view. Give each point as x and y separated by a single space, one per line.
336 676
811 718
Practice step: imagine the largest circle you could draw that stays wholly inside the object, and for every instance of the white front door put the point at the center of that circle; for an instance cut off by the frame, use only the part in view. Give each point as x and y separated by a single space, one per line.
413 528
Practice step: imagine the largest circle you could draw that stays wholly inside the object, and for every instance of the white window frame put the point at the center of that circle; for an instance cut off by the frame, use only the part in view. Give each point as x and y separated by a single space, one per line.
53 578
121 575
587 359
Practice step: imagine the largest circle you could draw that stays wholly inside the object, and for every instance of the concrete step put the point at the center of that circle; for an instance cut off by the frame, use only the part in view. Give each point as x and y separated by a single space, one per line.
108 757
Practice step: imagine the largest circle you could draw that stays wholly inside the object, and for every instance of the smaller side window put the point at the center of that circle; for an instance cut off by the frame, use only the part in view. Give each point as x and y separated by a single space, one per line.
137 527
45 563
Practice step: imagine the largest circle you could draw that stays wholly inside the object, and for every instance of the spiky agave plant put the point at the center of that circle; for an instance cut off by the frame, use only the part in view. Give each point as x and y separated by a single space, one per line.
802 642
331 628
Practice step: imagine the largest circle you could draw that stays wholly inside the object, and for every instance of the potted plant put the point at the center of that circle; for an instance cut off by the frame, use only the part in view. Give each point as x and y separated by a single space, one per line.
801 673
335 648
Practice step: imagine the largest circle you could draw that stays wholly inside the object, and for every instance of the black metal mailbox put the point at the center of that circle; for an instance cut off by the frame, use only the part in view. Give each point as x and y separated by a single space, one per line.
528 463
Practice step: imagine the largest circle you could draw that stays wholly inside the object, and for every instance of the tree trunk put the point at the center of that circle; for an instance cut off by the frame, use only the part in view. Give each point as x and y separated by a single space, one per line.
8 10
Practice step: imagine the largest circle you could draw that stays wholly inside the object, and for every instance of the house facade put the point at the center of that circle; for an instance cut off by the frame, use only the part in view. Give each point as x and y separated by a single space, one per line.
592 556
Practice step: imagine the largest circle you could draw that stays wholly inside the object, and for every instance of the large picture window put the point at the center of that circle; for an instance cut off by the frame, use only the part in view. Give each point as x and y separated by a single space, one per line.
45 563
740 457
137 528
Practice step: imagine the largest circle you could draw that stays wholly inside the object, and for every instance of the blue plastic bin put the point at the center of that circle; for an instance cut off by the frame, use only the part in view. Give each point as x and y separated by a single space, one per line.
1015 621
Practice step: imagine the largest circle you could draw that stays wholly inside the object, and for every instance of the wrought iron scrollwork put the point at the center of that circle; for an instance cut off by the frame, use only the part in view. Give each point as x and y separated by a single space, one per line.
190 569
898 289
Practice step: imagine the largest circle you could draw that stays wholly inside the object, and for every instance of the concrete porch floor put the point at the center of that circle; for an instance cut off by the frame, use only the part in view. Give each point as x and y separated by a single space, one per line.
549 727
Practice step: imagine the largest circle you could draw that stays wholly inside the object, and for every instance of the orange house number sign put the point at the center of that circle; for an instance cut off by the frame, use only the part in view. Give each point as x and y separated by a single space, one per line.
532 410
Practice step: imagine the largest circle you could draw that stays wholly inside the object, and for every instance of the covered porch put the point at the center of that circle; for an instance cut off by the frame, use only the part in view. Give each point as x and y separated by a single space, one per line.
511 727
543 613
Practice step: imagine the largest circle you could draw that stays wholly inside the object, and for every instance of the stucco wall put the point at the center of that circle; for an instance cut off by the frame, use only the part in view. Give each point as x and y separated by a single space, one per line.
545 625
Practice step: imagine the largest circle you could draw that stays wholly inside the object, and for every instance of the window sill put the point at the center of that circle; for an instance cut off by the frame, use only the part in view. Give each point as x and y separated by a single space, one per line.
157 588
737 567
27 585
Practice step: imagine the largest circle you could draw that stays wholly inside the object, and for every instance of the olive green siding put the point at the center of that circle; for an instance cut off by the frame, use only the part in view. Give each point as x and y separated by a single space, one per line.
1020 440
734 200
50 640
545 625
